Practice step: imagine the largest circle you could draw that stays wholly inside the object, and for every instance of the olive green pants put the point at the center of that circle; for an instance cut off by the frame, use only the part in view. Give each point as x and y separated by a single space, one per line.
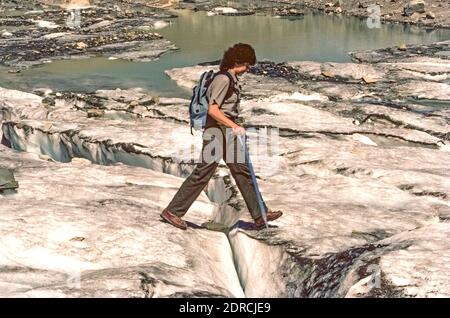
218 142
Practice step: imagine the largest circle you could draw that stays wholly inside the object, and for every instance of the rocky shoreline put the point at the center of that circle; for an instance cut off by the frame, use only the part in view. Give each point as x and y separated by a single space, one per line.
430 14
48 33
34 32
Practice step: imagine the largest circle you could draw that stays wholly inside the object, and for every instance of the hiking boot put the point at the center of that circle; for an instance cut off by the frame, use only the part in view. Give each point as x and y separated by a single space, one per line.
171 218
271 216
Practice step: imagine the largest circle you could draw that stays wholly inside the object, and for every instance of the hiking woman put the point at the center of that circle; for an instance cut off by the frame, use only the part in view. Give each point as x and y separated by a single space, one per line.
222 128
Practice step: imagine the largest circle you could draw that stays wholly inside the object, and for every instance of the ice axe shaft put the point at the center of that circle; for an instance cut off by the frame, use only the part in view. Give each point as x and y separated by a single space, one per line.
243 140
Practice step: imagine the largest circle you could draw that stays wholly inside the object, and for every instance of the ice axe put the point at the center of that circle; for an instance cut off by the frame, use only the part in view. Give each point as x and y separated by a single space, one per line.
262 207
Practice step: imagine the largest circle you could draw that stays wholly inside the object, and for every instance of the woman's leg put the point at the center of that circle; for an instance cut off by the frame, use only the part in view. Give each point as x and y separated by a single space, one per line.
199 178
191 188
235 160
241 173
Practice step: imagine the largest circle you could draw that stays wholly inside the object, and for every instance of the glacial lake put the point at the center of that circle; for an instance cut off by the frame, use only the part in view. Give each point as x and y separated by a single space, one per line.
201 38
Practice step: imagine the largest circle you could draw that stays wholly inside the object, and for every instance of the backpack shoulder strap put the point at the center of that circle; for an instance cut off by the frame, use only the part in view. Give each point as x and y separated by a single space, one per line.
230 85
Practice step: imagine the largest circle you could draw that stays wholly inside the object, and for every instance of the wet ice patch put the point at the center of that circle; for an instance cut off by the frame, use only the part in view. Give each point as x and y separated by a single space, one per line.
54 35
160 24
297 96
225 10
6 34
45 24
364 139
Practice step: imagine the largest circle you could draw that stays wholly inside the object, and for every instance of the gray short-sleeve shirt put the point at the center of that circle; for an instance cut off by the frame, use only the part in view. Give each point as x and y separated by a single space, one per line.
217 92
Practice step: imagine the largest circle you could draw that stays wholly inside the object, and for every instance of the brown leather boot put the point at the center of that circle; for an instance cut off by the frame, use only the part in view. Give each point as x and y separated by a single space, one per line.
171 218
271 216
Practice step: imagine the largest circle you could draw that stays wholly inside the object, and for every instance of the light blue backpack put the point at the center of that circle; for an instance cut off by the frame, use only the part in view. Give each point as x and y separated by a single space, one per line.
198 108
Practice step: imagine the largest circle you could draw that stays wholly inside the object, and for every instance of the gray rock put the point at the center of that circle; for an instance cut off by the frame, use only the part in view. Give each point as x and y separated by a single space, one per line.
95 112
415 6
7 181
430 15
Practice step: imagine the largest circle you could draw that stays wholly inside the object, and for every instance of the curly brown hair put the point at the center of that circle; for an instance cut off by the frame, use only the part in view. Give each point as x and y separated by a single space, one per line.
239 53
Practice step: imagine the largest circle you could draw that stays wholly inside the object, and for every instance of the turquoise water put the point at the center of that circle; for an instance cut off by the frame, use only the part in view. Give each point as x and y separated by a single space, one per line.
316 37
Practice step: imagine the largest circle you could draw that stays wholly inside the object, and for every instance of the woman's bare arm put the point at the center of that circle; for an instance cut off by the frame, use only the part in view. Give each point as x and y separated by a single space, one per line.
215 112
